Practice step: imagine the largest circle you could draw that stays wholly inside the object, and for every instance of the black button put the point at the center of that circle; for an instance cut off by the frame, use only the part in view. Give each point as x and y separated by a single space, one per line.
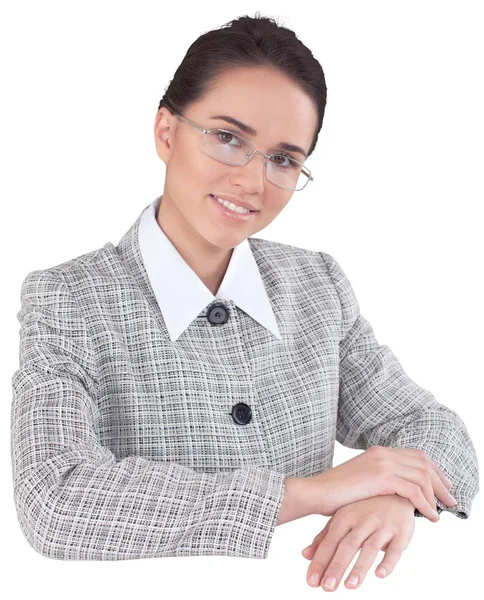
218 314
241 413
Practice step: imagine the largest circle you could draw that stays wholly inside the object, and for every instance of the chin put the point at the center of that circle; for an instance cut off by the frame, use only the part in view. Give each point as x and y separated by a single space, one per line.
225 240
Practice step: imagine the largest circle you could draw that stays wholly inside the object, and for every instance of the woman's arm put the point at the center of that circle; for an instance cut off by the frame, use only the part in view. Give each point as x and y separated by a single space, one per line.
75 500
380 405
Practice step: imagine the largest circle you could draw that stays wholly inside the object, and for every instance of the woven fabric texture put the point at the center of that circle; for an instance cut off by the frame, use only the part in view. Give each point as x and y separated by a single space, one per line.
122 442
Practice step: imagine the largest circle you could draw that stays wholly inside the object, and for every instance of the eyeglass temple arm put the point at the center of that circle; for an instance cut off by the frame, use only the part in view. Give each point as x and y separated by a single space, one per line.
311 178
191 123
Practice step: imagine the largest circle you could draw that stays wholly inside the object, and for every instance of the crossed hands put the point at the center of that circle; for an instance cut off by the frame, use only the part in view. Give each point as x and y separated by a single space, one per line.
377 523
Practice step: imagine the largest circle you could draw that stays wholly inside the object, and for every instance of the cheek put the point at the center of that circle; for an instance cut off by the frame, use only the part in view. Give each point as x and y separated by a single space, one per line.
200 179
270 211
202 168
189 158
276 205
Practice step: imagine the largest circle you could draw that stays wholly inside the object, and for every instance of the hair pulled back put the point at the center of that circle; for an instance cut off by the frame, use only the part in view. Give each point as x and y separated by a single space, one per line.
245 42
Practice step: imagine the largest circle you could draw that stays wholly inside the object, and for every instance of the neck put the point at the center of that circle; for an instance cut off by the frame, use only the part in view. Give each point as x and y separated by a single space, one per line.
209 262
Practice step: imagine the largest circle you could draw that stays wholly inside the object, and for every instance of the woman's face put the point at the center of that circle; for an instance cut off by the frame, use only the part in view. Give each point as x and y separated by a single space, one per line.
277 108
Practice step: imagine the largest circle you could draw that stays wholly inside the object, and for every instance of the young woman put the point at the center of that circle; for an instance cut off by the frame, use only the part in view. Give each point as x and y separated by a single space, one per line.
181 393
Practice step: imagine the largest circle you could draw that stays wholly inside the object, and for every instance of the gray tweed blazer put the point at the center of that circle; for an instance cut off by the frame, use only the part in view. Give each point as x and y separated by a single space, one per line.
127 445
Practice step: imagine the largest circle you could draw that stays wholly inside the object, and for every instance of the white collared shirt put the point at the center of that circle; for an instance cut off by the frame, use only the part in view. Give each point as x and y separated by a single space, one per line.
181 294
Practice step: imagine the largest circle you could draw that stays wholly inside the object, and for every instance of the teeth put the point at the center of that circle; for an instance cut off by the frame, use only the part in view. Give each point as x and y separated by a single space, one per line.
233 207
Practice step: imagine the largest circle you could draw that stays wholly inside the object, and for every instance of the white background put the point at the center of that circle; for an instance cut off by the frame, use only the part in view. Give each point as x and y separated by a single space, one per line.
397 199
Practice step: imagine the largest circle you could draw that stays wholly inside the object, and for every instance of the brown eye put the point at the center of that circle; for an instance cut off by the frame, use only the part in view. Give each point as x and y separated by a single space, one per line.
224 133
289 164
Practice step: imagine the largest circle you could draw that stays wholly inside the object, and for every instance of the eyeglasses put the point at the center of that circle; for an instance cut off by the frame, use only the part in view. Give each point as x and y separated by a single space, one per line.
232 149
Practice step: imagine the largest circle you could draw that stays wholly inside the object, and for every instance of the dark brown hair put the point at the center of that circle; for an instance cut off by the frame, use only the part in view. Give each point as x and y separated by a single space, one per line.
243 42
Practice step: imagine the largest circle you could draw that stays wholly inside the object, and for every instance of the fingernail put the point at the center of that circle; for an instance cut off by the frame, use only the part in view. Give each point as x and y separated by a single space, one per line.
382 571
448 481
353 580
330 582
436 514
314 579
453 499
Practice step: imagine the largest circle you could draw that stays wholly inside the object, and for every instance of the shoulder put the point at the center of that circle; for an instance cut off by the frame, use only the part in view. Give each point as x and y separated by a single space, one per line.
289 256
39 283
283 255
317 267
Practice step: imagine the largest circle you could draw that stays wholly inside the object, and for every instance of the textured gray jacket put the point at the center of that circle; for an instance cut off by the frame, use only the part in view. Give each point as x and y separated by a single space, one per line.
126 444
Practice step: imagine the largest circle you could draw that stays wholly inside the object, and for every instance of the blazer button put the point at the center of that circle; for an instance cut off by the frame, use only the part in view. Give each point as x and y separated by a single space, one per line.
241 413
218 314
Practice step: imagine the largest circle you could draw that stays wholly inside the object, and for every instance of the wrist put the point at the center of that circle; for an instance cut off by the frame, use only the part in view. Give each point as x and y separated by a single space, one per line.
297 501
309 495
316 494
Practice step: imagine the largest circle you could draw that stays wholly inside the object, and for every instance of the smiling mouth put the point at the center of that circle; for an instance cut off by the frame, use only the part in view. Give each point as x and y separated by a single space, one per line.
245 211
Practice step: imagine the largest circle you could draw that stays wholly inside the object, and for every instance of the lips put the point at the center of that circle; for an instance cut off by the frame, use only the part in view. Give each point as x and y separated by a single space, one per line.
234 202
227 213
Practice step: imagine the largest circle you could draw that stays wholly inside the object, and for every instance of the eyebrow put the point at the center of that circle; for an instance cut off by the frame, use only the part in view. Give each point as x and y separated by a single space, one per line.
251 131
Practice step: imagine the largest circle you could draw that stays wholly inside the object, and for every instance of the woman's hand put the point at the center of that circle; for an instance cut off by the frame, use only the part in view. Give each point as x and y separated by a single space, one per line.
381 471
379 523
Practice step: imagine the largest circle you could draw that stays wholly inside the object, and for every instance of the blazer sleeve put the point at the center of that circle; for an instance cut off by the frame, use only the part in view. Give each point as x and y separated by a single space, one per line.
380 405
74 499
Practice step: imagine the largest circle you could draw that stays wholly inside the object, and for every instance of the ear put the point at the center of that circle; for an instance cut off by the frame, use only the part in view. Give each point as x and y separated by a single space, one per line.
163 129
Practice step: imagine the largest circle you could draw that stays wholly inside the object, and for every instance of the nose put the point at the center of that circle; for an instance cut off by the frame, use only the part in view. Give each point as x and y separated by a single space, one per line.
251 176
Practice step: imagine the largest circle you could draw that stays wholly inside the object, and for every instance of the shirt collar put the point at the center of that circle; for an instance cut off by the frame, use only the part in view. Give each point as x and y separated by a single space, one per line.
181 294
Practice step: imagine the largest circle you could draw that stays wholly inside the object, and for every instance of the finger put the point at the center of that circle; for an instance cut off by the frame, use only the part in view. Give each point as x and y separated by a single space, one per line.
435 466
419 453
419 477
430 488
309 551
413 492
368 553
325 552
346 552
392 555
421 460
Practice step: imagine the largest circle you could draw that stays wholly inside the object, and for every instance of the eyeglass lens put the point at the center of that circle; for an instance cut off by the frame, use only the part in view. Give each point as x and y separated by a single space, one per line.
231 149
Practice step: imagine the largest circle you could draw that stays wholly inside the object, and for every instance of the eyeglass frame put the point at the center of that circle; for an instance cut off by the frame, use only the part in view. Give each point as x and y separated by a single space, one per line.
267 157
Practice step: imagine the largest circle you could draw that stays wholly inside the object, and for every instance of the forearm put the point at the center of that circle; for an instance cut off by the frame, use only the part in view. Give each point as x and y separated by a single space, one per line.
297 502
